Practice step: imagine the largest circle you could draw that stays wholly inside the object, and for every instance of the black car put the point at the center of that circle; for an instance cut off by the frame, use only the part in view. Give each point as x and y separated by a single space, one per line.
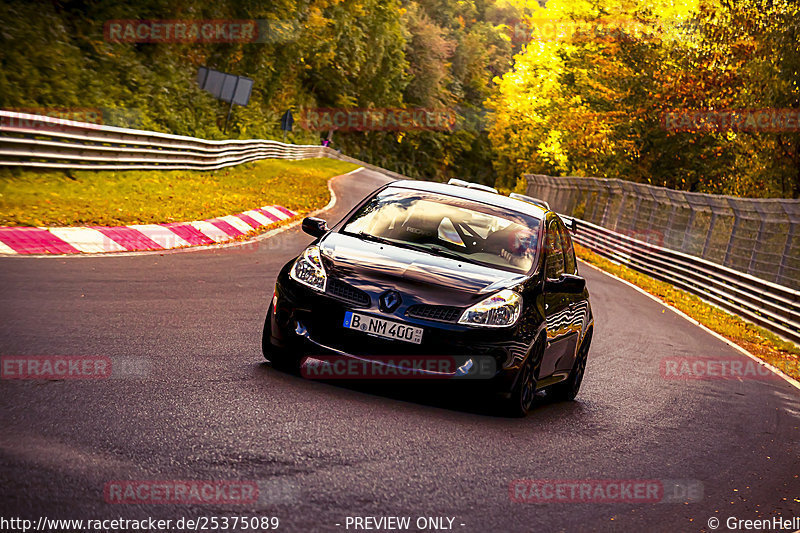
433 270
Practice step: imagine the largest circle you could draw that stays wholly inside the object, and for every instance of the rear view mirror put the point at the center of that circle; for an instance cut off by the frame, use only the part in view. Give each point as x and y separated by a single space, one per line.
316 227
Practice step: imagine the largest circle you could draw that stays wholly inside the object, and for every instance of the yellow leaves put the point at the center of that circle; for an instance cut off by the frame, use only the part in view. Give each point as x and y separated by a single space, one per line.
552 151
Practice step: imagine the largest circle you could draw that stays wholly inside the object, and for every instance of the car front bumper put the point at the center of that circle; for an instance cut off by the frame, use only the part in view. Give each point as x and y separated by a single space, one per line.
310 324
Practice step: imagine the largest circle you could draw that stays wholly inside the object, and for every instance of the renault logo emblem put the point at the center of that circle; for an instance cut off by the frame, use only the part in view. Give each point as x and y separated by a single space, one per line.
389 301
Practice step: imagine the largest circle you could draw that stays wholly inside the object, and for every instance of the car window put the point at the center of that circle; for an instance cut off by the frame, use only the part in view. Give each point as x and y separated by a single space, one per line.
566 246
554 260
446 225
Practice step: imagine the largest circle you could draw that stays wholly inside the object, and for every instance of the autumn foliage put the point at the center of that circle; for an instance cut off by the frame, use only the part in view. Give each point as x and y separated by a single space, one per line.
591 101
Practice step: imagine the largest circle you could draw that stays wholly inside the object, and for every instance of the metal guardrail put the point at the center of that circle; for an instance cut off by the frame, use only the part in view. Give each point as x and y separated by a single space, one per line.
753 235
772 306
45 142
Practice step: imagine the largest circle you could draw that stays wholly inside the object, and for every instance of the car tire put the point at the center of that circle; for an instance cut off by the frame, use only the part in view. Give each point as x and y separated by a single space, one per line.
566 391
280 358
523 394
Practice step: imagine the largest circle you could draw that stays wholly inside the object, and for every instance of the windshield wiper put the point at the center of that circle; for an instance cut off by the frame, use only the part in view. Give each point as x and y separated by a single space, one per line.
442 251
375 238
432 249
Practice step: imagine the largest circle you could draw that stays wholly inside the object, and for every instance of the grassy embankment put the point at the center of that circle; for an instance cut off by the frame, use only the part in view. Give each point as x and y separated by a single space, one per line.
114 198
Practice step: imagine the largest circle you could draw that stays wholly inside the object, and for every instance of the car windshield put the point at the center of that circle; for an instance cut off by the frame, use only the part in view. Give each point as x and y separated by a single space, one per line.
450 227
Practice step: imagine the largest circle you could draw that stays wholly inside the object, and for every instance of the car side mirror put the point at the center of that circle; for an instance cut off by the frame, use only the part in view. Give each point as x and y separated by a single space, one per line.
567 283
570 222
316 227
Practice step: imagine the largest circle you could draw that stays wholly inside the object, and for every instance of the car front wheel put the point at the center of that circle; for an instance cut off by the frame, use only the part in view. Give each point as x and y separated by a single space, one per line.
523 394
280 358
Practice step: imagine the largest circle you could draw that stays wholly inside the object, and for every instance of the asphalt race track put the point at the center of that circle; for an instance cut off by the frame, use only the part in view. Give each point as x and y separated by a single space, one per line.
199 403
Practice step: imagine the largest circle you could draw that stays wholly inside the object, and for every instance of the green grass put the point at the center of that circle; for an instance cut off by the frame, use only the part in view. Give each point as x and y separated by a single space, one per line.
756 340
113 198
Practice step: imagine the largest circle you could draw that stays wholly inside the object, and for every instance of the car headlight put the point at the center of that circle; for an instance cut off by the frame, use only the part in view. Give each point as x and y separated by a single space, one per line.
501 309
309 271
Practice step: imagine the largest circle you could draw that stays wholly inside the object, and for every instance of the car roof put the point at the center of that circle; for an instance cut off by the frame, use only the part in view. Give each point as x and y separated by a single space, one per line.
476 195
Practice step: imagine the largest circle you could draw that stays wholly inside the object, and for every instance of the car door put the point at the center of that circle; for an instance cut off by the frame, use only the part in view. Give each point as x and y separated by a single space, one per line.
556 304
575 302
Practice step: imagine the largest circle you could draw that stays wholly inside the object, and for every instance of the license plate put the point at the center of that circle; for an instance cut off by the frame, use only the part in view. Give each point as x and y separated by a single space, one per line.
382 328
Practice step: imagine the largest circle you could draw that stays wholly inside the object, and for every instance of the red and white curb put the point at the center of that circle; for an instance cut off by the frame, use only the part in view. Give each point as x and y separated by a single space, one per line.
138 237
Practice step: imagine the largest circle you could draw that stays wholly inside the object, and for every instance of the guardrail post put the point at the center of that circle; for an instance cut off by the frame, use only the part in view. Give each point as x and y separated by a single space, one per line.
575 196
687 235
710 232
794 220
732 238
558 194
635 219
622 202
596 198
760 239
607 208
653 209
786 250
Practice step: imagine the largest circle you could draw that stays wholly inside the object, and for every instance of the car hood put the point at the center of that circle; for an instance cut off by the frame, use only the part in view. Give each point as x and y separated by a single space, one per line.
377 266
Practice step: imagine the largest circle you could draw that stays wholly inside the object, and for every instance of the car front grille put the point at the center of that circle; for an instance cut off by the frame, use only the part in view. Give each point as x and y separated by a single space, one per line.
439 313
344 291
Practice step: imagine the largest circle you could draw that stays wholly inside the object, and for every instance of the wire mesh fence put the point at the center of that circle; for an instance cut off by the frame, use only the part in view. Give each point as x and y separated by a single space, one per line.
756 236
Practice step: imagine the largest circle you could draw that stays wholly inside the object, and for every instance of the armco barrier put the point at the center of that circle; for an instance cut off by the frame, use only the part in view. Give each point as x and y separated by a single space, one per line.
753 235
772 306
45 142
